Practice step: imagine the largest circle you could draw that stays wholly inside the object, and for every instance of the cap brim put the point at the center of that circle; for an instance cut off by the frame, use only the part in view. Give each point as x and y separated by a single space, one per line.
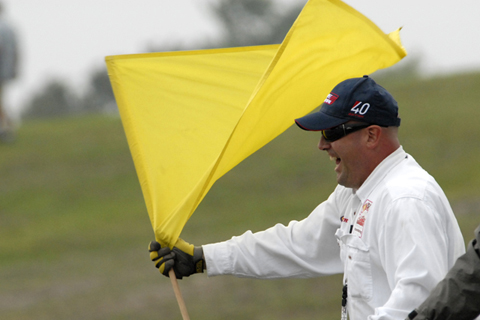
318 121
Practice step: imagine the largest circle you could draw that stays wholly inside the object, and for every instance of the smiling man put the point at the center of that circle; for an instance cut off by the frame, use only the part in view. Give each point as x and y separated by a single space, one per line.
356 107
387 226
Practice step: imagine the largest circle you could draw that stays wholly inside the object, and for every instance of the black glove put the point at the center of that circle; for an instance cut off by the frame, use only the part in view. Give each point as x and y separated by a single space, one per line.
184 258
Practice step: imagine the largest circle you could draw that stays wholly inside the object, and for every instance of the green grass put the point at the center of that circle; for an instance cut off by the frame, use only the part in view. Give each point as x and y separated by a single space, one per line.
74 227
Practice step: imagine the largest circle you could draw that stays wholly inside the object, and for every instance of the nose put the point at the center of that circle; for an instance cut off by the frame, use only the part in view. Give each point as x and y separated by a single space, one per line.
323 144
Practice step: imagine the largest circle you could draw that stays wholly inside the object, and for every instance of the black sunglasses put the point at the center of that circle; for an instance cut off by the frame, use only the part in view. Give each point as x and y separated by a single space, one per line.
342 130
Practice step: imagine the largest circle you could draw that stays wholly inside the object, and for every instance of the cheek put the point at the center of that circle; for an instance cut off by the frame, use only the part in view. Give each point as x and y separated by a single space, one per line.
351 154
345 149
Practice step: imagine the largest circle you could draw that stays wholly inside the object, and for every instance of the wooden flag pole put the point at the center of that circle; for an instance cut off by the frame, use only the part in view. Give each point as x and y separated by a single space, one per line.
178 295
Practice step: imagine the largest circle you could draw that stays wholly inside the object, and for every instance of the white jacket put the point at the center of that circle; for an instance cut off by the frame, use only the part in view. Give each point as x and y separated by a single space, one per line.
394 239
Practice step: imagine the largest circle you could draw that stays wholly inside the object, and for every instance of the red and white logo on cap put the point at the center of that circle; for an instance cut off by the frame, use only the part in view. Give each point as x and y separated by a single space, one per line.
331 98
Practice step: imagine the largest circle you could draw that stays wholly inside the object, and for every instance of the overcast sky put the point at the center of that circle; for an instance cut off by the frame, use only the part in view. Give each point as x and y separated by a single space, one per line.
69 39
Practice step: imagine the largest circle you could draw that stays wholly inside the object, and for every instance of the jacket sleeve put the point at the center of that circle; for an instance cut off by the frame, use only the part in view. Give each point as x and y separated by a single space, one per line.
457 296
302 249
416 248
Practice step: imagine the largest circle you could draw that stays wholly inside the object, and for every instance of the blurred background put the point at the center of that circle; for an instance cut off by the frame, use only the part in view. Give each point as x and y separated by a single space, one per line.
62 45
73 225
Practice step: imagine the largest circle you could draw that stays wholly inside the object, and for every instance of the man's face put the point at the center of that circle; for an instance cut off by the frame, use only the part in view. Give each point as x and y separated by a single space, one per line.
348 155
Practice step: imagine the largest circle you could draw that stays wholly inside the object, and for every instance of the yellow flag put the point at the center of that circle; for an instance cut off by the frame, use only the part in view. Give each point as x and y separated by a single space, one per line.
190 117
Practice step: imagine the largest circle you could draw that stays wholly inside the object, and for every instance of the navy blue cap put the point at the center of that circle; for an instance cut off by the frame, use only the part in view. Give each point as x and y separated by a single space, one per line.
357 99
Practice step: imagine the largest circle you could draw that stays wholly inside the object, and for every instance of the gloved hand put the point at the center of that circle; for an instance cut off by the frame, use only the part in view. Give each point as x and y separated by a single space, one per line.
184 258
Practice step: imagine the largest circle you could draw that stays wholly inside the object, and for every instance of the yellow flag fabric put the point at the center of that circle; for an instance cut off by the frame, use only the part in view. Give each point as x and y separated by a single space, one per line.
191 116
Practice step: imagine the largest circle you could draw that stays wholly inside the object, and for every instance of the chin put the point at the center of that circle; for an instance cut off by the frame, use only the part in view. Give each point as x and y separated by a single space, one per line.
346 184
341 182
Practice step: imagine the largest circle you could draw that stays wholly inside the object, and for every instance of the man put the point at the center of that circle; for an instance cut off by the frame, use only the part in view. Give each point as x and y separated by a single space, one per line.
387 226
457 297
8 71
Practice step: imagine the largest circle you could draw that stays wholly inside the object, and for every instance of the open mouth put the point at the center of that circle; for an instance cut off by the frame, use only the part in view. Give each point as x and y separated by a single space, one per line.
335 159
338 162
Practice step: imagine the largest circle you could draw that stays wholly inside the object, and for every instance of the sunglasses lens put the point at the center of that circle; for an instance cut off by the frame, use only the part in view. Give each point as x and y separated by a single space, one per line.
333 134
341 131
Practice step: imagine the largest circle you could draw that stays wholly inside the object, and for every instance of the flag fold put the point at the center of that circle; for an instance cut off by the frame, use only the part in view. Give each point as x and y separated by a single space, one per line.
192 116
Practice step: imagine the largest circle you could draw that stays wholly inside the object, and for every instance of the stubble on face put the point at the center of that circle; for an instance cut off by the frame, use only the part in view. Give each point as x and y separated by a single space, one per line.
347 153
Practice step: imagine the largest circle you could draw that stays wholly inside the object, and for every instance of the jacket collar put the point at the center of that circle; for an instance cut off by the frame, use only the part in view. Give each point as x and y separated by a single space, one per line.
380 172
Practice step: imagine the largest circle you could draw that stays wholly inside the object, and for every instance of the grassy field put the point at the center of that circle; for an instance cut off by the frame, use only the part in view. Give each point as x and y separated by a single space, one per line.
74 229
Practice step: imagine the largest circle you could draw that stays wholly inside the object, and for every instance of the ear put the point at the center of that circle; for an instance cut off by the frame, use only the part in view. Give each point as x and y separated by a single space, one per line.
374 133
